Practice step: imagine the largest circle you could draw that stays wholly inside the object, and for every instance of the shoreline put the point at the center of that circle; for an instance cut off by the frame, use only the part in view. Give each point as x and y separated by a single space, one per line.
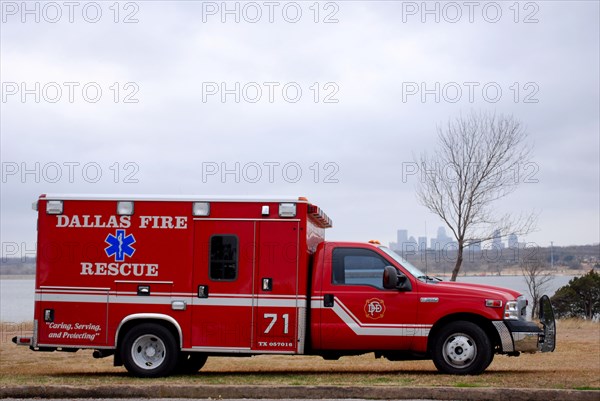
17 276
562 273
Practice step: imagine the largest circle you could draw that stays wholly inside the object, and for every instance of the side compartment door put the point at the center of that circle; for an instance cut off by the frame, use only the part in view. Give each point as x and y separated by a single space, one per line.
357 313
224 262
280 312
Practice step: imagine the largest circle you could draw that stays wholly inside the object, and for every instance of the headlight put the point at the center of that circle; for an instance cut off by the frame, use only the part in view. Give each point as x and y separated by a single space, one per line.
511 311
517 309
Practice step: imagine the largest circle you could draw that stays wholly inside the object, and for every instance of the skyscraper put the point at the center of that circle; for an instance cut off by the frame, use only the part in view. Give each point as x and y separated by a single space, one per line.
442 239
513 241
402 238
422 244
497 240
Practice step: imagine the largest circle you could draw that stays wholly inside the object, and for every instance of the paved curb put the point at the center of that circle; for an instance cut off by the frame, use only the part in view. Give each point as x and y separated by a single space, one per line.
297 392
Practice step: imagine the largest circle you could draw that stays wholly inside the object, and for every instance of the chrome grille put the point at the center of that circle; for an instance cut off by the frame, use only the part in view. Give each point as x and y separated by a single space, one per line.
522 307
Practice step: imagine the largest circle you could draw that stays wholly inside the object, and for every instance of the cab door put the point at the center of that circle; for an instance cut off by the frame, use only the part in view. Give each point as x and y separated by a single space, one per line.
356 312
223 271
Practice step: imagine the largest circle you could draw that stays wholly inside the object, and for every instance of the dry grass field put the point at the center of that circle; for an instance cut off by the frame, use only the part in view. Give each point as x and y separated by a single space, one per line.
574 365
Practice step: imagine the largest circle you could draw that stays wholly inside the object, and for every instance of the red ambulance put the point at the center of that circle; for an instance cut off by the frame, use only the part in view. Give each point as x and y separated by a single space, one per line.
163 282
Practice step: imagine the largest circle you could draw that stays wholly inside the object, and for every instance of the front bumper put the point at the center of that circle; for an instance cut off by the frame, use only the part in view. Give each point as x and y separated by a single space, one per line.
519 336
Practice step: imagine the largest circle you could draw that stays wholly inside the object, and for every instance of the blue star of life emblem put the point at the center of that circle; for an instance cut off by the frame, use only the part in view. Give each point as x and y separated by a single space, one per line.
119 245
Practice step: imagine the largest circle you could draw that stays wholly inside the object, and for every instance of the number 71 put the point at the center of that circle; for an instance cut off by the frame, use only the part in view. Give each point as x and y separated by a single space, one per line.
273 317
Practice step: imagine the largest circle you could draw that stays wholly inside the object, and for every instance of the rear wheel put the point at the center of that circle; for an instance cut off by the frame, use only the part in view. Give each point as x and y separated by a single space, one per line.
190 362
462 348
149 350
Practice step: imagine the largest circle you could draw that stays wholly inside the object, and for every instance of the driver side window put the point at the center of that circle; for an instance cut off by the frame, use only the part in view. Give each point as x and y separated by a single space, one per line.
357 266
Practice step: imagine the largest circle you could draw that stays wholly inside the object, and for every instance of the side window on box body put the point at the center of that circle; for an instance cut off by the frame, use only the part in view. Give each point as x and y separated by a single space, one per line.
224 254
358 266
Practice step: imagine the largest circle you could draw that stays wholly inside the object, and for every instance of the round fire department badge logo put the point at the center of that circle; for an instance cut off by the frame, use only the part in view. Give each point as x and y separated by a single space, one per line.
374 308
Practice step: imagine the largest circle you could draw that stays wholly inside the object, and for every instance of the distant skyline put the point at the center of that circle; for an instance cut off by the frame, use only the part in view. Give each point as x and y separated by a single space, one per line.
442 241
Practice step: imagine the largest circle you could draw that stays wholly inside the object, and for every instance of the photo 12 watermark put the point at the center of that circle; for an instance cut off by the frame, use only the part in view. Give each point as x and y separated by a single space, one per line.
488 251
526 173
270 172
71 172
53 250
253 12
69 12
8 330
453 12
84 254
69 92
18 251
470 92
269 92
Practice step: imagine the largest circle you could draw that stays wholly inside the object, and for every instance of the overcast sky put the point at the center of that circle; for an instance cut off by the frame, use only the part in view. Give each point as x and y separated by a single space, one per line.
328 100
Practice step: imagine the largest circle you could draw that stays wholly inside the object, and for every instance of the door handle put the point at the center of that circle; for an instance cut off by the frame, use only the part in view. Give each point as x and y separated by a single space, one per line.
328 300
267 284
202 291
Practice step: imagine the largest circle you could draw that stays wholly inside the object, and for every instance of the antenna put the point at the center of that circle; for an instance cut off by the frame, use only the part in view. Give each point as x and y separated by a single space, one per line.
425 247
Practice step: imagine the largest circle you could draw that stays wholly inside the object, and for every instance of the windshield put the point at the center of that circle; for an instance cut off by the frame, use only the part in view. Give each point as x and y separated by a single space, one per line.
403 262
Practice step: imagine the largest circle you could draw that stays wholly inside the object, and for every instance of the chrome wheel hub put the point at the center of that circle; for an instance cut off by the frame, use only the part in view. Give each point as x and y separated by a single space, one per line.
148 351
459 350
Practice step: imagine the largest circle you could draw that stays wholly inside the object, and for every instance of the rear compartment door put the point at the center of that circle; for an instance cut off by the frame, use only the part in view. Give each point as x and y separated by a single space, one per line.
280 311
224 263
72 316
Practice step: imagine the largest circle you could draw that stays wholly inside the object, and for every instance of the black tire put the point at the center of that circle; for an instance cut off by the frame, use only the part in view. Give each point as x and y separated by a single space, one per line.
190 362
462 348
490 361
149 350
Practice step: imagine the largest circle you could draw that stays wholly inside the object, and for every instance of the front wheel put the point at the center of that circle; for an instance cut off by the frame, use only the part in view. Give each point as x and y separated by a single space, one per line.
462 348
149 350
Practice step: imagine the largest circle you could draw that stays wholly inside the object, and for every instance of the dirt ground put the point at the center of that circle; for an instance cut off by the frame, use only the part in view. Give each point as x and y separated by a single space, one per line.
574 365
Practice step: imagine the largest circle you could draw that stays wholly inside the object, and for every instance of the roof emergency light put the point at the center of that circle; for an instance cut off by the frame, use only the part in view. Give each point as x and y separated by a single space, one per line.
287 210
201 209
319 217
124 208
54 207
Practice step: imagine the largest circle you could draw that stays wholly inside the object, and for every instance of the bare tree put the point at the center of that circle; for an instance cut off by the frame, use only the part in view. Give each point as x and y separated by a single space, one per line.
537 280
481 158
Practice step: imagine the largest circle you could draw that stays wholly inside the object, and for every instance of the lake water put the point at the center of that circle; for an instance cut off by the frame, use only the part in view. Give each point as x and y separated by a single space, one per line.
16 300
16 296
